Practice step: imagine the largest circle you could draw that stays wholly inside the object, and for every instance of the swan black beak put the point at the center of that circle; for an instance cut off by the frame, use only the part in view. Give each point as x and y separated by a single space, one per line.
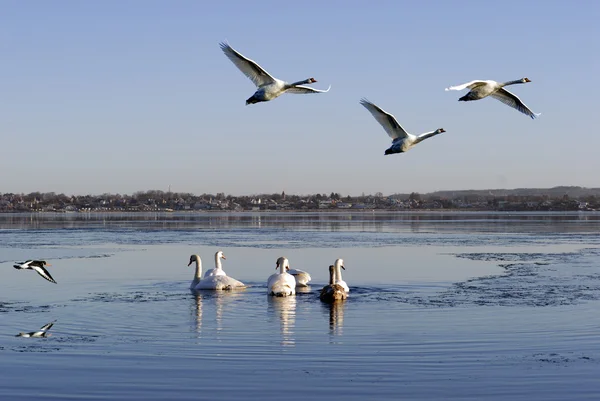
190 263
343 267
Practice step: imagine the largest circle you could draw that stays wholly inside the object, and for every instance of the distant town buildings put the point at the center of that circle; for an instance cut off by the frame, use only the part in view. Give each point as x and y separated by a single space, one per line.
553 199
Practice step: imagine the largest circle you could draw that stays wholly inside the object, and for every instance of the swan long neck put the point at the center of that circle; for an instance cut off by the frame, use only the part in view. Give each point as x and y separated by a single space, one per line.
338 272
304 82
218 264
283 266
426 135
198 275
516 81
331 275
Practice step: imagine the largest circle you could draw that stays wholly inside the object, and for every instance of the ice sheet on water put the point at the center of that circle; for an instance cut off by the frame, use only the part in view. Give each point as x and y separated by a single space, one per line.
529 279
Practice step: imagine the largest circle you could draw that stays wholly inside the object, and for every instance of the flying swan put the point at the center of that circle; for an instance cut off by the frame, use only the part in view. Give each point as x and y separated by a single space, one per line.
268 87
281 284
481 89
214 282
402 141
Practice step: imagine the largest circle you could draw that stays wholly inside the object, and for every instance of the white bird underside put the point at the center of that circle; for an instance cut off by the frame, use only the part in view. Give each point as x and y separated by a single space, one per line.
302 278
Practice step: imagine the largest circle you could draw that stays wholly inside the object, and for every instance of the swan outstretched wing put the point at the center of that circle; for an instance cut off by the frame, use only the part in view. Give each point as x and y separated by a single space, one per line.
247 66
467 85
301 89
302 277
513 101
387 120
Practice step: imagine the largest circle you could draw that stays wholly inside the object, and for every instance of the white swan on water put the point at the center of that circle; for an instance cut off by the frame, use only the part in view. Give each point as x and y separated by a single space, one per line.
338 266
302 277
281 284
218 270
484 88
268 87
214 282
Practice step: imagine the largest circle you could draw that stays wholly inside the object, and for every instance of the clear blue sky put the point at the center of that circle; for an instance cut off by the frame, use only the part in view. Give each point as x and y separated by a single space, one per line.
122 96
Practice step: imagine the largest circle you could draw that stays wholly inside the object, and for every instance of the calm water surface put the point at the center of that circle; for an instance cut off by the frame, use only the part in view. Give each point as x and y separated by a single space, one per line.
464 306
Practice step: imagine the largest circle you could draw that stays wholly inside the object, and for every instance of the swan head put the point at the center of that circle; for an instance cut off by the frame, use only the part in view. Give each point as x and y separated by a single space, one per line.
282 263
194 258
340 263
220 255
439 130
40 263
524 80
311 80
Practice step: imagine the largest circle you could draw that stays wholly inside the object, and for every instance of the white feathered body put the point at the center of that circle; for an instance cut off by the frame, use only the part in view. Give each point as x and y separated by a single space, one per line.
219 282
281 284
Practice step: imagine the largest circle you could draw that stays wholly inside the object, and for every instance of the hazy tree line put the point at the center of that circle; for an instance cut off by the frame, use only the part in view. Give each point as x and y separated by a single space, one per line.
535 199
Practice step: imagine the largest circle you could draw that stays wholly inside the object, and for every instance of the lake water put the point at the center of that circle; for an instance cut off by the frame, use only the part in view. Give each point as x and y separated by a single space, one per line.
443 306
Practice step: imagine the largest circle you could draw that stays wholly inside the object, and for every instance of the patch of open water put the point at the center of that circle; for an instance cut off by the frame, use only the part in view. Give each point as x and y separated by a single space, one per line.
482 308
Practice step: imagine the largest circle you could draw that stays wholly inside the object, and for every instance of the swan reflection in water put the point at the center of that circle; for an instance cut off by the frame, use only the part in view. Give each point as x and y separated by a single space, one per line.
204 302
336 316
285 308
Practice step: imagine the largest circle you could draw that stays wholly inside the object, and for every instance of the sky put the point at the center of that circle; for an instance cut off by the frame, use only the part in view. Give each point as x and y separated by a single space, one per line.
126 96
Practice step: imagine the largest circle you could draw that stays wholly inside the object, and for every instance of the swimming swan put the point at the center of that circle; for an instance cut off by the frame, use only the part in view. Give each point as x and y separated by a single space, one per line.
268 87
302 277
332 291
281 284
339 264
402 141
216 282
481 89
218 270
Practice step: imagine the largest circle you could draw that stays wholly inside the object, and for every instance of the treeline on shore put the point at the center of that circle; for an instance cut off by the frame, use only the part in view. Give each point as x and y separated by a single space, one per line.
551 199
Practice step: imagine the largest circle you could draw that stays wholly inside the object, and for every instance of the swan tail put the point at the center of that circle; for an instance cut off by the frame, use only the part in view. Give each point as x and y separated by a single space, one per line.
281 291
469 96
